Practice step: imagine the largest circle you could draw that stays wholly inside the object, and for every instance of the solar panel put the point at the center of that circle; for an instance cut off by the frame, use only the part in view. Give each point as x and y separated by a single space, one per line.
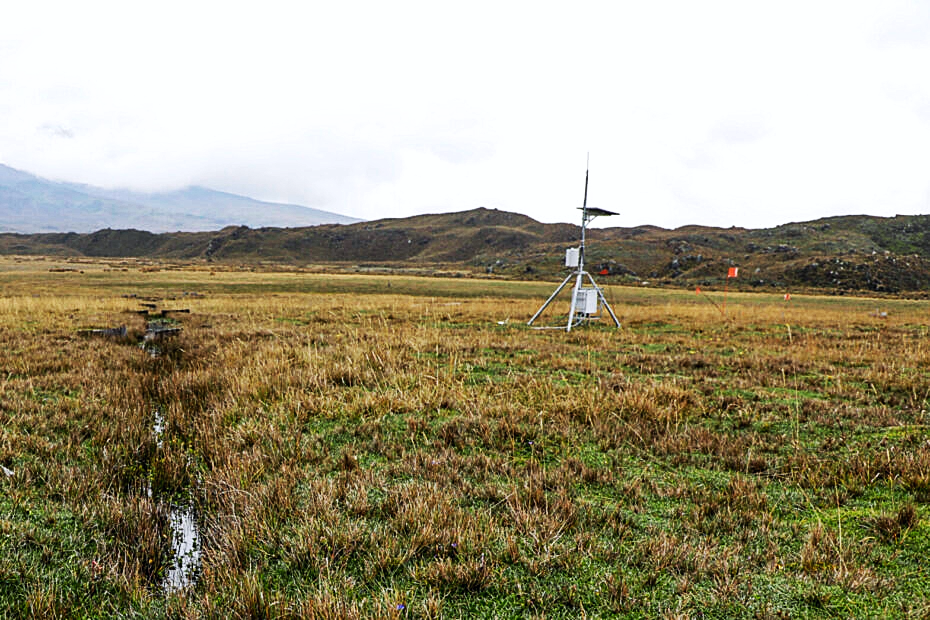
596 212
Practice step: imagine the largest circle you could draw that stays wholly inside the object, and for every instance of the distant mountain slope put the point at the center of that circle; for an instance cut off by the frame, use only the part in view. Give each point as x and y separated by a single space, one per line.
29 204
850 253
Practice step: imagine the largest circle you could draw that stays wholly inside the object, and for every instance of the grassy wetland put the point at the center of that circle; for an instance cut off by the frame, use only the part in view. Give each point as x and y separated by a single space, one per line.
380 446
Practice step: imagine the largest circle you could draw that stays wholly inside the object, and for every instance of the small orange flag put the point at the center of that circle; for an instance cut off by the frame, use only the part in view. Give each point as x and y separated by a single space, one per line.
787 296
698 290
733 272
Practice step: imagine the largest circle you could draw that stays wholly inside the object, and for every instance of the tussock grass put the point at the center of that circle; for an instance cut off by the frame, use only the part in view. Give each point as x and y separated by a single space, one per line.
390 453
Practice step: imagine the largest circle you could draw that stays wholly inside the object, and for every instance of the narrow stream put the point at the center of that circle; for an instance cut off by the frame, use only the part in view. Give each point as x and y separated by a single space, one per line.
185 546
185 535
182 522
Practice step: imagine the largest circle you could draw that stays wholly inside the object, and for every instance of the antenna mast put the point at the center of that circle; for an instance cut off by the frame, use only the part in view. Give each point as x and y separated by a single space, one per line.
584 212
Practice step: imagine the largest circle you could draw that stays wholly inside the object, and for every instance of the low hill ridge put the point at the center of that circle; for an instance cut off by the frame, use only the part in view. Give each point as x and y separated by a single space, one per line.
848 253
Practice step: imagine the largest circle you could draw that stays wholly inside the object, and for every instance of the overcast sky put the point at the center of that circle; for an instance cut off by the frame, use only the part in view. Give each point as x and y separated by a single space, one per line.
718 113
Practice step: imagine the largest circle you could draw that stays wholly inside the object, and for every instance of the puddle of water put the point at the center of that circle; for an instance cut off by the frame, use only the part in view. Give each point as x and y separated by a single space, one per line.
185 537
159 427
185 546
156 331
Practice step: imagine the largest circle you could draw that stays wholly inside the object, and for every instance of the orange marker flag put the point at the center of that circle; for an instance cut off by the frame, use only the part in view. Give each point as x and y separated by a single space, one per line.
733 272
787 296
698 290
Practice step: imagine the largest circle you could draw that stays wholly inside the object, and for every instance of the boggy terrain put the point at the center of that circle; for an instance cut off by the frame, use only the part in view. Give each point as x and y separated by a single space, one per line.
378 446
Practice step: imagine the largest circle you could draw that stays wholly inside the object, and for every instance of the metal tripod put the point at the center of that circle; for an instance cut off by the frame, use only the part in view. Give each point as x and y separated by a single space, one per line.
579 273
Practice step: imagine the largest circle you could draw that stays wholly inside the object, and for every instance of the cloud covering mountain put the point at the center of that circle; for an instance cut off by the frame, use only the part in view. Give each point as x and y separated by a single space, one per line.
29 204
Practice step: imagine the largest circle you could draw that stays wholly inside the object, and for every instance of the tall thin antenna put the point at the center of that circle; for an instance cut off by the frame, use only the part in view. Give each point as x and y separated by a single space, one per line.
587 168
584 214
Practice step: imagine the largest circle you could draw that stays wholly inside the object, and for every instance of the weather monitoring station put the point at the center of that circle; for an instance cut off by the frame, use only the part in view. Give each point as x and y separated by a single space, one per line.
586 300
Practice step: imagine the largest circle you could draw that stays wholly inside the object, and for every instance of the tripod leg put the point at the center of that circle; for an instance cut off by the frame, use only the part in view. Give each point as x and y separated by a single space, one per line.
551 297
604 300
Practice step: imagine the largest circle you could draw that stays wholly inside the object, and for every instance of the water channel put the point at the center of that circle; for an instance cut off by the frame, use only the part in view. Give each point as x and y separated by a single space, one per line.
182 521
185 534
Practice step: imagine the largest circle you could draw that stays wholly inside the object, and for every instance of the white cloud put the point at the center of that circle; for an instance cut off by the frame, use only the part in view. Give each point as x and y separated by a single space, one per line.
716 113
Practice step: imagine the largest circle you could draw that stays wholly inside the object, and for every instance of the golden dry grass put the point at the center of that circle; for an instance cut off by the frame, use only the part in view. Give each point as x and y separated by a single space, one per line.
395 451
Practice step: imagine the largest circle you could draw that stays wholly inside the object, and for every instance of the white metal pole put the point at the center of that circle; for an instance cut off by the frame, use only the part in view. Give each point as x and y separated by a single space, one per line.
571 312
578 280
